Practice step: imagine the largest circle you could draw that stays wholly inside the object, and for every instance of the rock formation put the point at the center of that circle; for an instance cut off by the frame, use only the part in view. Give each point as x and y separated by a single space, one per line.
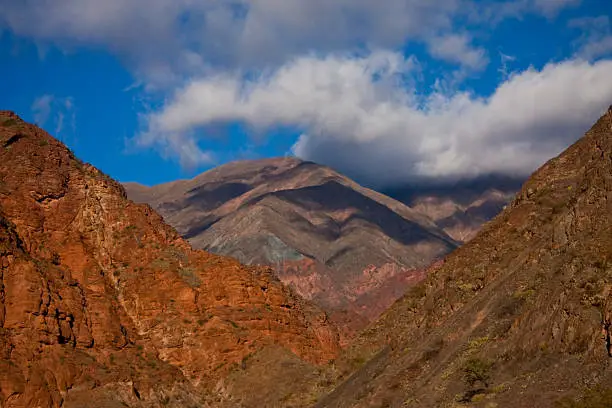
103 304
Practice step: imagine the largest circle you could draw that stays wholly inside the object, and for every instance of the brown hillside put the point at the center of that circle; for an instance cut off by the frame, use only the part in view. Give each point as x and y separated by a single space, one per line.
518 317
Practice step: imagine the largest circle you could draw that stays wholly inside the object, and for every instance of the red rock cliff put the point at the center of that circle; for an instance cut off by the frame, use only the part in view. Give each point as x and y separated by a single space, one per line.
101 300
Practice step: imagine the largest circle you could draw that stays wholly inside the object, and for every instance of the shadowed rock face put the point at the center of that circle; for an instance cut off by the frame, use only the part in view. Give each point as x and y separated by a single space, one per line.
103 304
517 317
351 250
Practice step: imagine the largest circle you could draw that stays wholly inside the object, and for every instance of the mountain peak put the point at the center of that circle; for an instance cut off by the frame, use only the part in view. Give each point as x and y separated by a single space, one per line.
322 232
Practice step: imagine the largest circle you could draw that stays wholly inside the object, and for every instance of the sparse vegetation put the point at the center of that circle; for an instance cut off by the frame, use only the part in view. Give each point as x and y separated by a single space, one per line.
476 371
476 374
418 291
160 263
9 122
601 263
477 343
358 361
190 277
509 306
220 365
523 294
466 287
595 398
433 350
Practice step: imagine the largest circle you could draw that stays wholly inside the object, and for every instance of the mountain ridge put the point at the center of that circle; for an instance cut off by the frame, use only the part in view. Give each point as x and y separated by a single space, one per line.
322 232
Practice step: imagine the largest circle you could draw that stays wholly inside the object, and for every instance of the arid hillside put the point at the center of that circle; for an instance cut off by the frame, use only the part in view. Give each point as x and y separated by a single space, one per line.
520 316
103 304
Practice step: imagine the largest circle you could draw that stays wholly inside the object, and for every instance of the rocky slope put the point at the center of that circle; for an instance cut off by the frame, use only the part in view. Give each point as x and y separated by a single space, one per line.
519 316
351 250
102 304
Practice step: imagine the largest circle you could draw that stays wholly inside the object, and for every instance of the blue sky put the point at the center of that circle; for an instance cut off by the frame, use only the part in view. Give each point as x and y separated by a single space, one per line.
388 92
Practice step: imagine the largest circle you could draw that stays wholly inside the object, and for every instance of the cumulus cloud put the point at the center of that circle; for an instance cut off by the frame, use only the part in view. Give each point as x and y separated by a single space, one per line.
320 66
356 118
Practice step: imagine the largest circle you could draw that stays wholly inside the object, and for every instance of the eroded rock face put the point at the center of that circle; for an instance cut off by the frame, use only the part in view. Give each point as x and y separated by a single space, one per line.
354 301
102 301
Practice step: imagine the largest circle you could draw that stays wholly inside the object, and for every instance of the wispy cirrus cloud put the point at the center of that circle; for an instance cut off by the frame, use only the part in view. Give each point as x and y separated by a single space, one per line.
57 110
596 38
457 48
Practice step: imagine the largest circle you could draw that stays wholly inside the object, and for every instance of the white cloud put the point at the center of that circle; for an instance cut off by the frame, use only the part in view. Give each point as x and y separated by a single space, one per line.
317 71
356 118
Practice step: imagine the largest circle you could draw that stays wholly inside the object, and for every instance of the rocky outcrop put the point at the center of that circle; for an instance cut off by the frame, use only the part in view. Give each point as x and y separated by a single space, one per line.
102 303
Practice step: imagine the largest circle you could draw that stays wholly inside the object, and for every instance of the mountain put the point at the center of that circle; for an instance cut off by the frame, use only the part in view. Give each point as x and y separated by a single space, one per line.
460 208
349 249
520 316
103 304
